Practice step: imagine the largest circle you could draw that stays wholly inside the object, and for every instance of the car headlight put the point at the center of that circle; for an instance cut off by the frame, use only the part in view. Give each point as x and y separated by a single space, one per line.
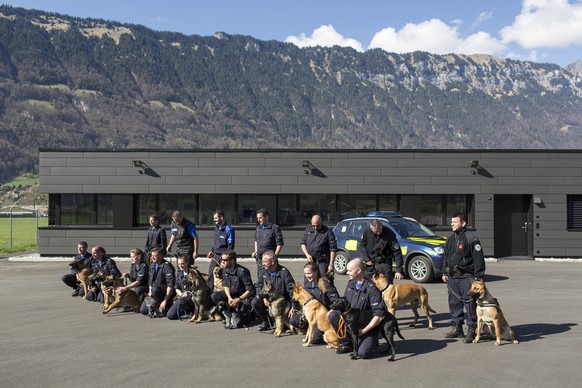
439 250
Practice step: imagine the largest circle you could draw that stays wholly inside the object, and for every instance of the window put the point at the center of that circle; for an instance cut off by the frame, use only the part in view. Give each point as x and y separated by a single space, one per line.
186 203
247 209
436 210
86 209
209 203
287 209
322 204
356 205
574 210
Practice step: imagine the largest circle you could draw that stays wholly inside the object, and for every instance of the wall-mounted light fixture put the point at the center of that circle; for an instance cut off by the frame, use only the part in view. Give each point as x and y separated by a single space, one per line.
306 164
141 165
474 164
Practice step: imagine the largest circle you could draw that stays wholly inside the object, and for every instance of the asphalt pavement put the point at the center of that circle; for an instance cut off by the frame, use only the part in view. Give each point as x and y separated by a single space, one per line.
49 339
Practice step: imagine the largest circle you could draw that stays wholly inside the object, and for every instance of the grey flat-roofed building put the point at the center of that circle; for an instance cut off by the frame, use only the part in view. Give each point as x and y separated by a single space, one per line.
522 204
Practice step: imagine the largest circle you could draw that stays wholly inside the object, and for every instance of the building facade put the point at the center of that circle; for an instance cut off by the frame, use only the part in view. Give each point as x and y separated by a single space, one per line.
522 204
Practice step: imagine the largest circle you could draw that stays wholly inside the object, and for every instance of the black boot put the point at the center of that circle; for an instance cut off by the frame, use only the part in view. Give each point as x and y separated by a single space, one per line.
470 335
75 291
456 332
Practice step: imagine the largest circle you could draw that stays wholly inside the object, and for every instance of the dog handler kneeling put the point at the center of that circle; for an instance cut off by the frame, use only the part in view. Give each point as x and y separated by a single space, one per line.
362 294
463 260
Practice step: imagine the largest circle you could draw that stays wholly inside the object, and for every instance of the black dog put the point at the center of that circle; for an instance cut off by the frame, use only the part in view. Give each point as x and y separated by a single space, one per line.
358 319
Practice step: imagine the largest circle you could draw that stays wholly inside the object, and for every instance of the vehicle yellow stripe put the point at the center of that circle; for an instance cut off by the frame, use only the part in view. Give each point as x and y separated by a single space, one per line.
431 241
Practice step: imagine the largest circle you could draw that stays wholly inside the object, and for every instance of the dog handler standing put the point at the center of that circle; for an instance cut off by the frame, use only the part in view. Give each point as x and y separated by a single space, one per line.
463 260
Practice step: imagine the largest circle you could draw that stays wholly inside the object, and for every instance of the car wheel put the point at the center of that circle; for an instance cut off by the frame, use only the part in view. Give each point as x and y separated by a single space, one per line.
340 263
420 269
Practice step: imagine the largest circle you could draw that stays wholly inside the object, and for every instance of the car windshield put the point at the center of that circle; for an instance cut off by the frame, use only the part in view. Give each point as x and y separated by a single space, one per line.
408 228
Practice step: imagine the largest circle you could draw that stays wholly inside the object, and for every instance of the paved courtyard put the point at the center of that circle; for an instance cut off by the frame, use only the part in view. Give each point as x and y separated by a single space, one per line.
50 339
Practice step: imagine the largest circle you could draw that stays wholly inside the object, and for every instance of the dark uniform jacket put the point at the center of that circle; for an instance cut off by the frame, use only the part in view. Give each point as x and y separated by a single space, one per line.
180 277
87 260
326 298
163 277
267 238
280 278
463 256
139 272
368 297
238 280
319 242
381 249
223 239
107 265
156 238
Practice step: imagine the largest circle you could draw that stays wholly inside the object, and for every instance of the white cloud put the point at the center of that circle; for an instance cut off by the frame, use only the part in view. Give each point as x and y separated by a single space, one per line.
325 36
435 37
546 23
483 17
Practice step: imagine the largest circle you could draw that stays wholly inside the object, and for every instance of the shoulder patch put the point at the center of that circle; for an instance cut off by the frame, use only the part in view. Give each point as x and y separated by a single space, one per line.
478 247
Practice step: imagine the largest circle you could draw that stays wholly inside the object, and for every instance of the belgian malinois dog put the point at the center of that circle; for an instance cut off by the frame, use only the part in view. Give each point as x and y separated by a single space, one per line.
489 315
397 295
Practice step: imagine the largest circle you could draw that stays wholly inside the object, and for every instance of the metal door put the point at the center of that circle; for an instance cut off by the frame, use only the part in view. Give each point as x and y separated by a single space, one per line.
513 234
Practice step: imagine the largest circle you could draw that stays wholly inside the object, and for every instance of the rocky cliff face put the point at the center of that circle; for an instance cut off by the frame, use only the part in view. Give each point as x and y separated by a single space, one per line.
69 82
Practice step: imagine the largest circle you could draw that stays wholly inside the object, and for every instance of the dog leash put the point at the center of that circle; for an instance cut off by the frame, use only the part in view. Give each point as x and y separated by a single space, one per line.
342 330
459 297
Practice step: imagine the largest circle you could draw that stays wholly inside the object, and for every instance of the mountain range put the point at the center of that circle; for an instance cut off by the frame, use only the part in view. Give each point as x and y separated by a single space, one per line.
68 82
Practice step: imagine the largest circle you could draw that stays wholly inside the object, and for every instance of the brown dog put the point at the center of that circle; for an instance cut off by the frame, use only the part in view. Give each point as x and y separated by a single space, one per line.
83 275
197 284
217 274
396 295
278 307
108 286
128 300
489 315
315 312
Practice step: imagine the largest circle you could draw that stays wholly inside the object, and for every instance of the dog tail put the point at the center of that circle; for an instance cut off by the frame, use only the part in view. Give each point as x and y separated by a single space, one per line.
430 309
398 330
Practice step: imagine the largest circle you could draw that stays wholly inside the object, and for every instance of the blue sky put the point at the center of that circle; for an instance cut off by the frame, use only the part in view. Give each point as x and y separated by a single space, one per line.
536 30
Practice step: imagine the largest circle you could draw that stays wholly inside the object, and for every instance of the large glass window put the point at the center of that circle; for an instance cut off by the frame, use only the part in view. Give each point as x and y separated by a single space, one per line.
356 205
431 209
287 209
76 209
186 203
209 203
387 202
104 209
322 204
146 206
247 209
435 210
86 209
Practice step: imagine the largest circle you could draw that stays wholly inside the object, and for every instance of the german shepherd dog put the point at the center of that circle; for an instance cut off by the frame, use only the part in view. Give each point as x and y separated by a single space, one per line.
315 314
108 286
397 295
489 315
83 275
278 307
197 285
358 319
128 300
